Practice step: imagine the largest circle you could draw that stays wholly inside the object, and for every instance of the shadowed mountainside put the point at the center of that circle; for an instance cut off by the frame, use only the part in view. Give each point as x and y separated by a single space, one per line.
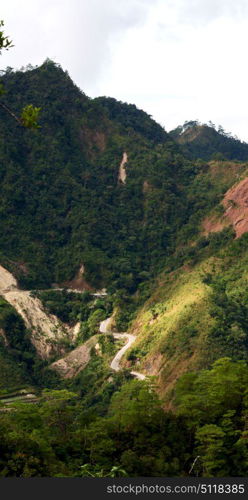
204 141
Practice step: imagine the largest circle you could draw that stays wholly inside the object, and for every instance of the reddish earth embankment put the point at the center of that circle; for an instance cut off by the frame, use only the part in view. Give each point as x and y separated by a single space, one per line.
235 203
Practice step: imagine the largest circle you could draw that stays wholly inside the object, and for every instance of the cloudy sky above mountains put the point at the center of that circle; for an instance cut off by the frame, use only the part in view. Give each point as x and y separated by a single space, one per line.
176 59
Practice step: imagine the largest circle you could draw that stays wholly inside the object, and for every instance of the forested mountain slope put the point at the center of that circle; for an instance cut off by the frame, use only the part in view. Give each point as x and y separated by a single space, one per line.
200 140
198 310
100 196
62 205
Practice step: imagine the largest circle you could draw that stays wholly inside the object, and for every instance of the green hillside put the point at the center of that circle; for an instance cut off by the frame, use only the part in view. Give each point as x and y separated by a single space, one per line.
197 311
176 272
61 203
204 141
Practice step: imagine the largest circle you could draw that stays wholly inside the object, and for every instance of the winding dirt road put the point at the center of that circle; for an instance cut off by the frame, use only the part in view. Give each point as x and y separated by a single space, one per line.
115 363
47 332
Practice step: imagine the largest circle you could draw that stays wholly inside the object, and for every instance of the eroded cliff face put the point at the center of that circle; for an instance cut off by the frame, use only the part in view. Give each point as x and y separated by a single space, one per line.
235 203
122 170
78 283
7 281
47 332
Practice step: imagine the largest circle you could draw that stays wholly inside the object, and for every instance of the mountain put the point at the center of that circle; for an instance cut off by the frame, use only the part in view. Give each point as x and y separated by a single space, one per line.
114 231
203 141
63 203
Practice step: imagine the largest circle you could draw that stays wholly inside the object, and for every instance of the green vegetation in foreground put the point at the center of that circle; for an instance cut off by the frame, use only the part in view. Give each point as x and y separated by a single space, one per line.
124 429
214 405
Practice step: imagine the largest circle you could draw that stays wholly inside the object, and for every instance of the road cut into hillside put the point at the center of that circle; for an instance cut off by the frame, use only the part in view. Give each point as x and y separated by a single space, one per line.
47 332
115 363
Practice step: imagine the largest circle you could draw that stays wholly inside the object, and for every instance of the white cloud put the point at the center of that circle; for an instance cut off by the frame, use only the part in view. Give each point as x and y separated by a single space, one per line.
179 70
202 12
77 34
176 59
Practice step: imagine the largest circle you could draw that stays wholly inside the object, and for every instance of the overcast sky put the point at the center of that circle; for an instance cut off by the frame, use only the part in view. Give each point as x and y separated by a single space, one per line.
176 59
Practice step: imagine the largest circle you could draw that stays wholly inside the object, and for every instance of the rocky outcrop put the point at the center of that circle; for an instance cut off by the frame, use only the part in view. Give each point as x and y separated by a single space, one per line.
235 203
70 365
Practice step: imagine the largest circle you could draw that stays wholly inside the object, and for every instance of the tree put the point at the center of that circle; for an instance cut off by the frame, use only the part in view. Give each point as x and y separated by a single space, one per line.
212 451
87 470
30 113
29 116
5 42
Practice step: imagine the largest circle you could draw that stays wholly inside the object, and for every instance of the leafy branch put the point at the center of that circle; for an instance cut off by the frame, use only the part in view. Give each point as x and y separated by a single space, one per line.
5 42
29 115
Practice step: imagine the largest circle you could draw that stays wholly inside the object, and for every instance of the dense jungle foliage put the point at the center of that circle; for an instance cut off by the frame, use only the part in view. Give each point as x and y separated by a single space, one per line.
182 292
123 430
61 202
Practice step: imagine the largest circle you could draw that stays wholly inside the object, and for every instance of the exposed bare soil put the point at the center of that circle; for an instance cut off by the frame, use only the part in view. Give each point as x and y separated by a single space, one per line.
47 332
70 365
235 203
78 283
214 225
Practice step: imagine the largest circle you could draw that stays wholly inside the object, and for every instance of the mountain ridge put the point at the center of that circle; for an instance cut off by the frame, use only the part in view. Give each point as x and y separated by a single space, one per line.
71 218
205 141
42 165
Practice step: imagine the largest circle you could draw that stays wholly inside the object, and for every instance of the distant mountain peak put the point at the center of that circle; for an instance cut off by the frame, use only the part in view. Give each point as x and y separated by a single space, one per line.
206 140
